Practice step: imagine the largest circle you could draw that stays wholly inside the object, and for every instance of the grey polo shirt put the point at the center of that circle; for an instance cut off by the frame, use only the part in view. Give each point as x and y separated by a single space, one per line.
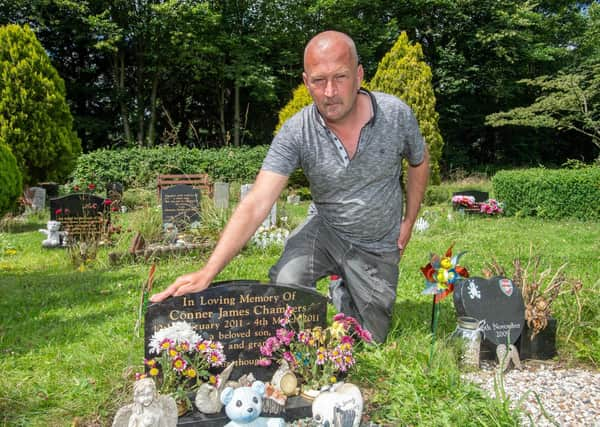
360 198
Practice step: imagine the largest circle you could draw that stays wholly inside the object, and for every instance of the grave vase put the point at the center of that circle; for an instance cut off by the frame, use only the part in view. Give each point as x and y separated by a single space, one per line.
543 345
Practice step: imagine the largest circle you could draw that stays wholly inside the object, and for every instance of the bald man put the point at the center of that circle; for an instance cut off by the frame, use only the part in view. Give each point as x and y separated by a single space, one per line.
350 144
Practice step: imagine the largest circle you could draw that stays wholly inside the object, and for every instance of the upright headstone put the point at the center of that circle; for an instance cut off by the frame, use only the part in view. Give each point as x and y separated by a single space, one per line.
50 187
221 195
497 302
38 198
180 205
114 191
271 219
239 314
82 215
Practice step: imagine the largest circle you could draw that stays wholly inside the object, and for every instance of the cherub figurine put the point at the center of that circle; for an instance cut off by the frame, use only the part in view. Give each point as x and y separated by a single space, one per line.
54 237
148 409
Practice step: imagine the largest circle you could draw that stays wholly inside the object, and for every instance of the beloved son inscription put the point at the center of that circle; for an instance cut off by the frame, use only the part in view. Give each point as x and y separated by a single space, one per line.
239 314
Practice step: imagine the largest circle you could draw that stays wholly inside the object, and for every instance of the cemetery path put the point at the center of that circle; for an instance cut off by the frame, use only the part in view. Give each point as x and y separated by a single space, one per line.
568 396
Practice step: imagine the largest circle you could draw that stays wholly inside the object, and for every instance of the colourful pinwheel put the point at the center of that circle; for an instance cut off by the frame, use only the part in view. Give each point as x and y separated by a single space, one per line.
441 273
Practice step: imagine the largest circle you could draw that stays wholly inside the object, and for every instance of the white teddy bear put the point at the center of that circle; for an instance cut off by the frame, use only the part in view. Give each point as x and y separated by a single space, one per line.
54 235
243 406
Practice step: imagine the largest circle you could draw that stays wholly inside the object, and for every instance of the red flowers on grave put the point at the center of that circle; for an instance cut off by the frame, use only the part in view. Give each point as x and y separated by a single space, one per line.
91 186
316 355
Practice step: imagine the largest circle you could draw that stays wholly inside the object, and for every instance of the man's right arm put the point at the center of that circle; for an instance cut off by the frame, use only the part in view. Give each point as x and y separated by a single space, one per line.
248 215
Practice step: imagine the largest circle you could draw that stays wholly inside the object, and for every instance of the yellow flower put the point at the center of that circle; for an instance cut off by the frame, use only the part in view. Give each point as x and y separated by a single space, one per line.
446 263
332 379
191 373
153 371
317 333
337 329
212 380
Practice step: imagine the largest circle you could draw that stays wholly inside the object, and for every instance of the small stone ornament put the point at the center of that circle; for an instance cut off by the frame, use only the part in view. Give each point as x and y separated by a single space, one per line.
207 397
54 237
341 406
507 357
243 406
149 409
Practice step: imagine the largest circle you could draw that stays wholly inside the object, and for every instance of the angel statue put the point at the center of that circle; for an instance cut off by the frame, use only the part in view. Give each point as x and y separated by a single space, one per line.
149 409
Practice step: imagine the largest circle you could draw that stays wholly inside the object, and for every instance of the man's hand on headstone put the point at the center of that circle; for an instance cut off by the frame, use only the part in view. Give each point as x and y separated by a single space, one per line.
186 284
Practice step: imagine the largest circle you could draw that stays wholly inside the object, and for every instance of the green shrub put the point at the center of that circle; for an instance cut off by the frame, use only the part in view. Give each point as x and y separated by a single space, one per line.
139 167
437 194
10 179
35 120
554 194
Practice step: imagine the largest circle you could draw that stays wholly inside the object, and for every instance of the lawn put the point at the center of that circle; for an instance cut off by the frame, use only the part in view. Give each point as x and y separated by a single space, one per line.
69 350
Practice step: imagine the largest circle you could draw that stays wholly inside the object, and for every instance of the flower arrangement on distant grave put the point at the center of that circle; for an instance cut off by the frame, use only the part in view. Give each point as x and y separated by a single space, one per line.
183 361
269 236
463 201
491 207
318 355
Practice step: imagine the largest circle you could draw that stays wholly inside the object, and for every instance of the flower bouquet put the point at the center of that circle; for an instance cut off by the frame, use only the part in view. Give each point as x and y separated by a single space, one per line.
461 200
491 207
317 356
183 361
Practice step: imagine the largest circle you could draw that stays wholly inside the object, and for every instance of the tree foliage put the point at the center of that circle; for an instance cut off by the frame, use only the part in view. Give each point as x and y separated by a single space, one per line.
10 179
300 99
404 73
569 99
35 120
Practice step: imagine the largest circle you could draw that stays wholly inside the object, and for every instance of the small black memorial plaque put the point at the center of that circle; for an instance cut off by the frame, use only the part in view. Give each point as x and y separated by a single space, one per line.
239 314
497 302
180 205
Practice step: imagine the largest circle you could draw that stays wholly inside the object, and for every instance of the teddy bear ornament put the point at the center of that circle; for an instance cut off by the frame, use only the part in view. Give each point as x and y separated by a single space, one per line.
243 406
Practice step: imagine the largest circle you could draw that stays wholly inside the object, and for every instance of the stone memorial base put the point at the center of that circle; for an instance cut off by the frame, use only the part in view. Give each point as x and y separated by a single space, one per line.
543 345
296 408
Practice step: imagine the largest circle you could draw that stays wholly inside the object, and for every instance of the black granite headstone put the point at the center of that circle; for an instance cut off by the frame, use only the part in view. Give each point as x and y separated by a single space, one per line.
82 215
497 302
239 314
180 205
77 205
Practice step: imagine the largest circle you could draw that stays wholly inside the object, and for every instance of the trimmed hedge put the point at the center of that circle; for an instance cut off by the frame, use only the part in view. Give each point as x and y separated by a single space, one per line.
139 167
553 194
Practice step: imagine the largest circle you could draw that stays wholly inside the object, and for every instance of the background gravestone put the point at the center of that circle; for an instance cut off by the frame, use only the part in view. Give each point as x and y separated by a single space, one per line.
221 195
82 215
240 314
497 302
180 205
38 198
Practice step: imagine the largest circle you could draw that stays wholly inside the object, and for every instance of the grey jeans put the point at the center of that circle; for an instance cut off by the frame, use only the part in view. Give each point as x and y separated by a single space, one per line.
368 292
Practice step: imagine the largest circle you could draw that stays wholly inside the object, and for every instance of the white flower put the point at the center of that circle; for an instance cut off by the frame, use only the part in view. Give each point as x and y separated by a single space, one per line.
178 332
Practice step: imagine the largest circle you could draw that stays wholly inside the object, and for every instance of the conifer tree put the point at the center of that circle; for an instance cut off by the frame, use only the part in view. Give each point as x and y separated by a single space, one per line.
300 99
35 121
10 179
403 72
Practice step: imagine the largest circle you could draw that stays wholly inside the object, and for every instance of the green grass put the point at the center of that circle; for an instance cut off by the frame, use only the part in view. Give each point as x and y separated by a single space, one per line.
68 348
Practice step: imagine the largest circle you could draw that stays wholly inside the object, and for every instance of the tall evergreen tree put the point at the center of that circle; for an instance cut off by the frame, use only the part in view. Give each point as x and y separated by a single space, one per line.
404 73
10 179
35 120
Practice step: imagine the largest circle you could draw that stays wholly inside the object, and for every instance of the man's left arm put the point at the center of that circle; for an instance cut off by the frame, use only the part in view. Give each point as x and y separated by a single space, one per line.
415 190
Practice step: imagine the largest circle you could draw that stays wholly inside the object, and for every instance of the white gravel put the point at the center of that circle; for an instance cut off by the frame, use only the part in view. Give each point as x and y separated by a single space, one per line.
568 396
